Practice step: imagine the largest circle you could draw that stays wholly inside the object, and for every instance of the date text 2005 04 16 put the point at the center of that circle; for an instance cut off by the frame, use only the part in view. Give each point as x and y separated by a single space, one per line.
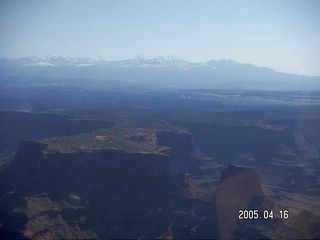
266 214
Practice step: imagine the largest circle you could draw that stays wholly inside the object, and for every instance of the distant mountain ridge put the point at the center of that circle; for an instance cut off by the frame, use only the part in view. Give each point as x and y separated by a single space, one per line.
163 71
137 62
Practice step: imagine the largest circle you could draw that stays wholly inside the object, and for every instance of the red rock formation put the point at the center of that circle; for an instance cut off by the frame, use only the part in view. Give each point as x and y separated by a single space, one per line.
239 186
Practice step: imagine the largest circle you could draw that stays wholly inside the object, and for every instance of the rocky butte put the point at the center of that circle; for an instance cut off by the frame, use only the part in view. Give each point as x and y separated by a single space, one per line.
64 187
239 187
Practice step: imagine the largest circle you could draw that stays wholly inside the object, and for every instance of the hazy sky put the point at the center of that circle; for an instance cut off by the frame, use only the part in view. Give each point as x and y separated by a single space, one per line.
284 35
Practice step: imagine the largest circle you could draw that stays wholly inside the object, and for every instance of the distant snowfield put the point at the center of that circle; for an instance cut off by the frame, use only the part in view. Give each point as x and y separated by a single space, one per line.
138 62
161 71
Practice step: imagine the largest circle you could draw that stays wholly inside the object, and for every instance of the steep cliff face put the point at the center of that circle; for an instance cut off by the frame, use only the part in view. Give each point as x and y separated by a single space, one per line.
227 143
306 126
185 156
104 194
39 171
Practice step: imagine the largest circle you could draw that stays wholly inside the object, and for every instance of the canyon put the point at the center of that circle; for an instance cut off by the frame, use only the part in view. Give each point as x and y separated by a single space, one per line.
155 172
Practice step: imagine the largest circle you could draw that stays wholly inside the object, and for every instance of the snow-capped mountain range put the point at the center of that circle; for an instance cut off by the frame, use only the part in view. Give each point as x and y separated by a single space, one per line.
164 71
170 62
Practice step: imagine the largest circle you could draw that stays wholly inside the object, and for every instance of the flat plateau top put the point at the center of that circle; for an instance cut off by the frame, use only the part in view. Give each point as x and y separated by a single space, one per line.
131 141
